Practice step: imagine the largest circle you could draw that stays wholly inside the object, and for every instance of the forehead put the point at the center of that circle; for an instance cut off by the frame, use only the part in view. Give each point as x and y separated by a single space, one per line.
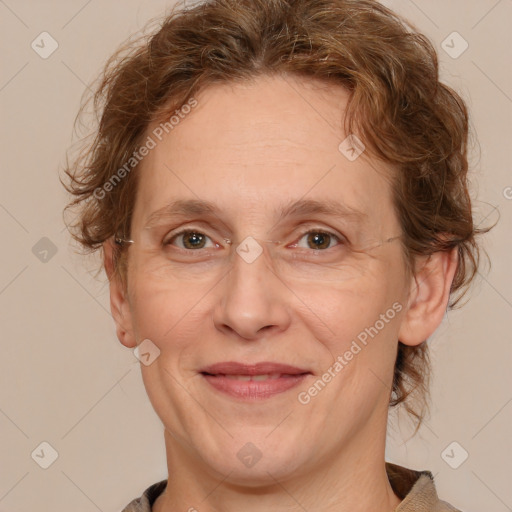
254 147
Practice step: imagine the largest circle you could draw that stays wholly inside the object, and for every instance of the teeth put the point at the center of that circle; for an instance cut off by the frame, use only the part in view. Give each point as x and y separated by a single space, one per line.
238 377
254 377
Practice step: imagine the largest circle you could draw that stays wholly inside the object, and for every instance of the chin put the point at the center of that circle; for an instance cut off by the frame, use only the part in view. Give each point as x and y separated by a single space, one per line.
255 464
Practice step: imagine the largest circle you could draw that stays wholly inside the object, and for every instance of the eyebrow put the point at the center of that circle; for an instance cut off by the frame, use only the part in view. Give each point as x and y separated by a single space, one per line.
299 208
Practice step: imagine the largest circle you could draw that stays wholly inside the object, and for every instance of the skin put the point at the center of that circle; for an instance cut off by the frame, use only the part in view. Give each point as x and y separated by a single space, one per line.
248 148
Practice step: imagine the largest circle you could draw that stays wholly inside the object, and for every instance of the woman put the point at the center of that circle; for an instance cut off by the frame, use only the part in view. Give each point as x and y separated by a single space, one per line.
279 192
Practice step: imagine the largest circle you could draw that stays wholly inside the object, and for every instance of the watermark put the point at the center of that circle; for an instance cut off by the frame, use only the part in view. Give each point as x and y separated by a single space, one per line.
352 147
249 455
190 4
249 249
507 192
454 45
44 45
44 455
44 249
454 455
146 352
150 143
304 397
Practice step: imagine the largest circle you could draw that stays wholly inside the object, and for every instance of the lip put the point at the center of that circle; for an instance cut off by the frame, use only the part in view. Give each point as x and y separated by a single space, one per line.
235 368
218 376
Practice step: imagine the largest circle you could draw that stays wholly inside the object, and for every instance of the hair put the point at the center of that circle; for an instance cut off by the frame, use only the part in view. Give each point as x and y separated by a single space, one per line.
397 106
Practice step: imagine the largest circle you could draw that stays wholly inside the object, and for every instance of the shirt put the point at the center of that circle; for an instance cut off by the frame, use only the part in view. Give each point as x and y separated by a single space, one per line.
416 489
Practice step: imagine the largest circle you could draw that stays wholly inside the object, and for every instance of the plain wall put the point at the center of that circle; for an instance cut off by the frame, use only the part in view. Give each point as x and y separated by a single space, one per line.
66 380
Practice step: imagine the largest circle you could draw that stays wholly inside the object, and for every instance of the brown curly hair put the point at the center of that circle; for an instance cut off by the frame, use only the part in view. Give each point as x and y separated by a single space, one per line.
397 106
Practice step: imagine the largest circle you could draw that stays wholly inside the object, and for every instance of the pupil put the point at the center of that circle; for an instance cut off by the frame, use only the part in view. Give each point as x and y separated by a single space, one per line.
194 236
318 237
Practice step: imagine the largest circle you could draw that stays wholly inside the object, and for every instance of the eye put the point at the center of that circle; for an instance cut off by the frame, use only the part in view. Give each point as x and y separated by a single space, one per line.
318 240
191 240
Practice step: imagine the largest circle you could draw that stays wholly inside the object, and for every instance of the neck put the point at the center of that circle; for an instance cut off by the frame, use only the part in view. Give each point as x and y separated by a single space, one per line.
353 479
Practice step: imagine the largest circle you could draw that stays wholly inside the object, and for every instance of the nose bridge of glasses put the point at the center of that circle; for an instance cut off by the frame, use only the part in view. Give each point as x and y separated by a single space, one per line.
251 248
234 243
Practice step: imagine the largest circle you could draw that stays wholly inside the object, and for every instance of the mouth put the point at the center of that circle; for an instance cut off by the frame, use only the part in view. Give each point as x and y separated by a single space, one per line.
253 382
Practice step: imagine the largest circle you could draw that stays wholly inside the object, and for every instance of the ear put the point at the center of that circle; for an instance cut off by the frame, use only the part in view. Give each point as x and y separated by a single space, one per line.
119 304
428 296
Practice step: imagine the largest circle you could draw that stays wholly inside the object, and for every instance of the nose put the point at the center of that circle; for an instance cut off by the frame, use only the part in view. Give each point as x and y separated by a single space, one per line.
254 302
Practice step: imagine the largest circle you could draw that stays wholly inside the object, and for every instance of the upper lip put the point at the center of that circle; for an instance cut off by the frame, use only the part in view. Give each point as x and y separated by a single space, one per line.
263 368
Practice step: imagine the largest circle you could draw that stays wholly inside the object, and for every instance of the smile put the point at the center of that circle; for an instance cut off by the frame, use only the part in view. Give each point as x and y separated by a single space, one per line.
253 387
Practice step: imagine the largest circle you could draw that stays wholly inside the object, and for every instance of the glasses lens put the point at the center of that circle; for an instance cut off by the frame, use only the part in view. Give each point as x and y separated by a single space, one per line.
317 256
339 263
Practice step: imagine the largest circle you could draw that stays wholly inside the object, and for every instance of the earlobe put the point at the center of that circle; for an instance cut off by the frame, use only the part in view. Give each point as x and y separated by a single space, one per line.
119 304
429 295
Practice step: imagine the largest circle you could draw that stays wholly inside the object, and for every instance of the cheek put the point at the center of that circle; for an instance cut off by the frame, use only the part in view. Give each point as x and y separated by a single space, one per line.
359 323
162 307
166 306
355 304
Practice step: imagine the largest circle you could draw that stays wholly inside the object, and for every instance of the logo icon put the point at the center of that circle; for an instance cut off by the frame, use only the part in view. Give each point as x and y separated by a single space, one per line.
454 455
44 45
454 45
352 147
45 455
44 250
249 249
249 455
146 352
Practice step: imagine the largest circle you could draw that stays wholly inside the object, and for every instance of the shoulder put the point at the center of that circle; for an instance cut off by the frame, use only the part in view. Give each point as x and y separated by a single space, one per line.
149 496
416 489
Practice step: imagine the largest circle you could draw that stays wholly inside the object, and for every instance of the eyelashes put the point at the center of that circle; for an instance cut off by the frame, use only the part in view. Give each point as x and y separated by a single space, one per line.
321 241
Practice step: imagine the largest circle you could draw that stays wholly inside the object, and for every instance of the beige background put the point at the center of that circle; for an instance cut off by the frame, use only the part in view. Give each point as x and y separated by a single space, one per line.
67 381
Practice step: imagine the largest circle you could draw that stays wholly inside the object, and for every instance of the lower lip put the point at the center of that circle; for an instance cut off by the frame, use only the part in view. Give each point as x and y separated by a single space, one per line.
254 390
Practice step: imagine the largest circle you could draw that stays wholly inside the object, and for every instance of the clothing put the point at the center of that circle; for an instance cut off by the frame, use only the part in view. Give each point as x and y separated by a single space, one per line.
416 489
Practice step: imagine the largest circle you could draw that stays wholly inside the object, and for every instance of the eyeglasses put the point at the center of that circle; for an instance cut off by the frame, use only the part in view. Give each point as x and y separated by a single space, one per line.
290 261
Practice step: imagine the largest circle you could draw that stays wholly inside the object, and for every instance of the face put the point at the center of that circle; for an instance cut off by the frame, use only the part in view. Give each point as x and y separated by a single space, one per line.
332 314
